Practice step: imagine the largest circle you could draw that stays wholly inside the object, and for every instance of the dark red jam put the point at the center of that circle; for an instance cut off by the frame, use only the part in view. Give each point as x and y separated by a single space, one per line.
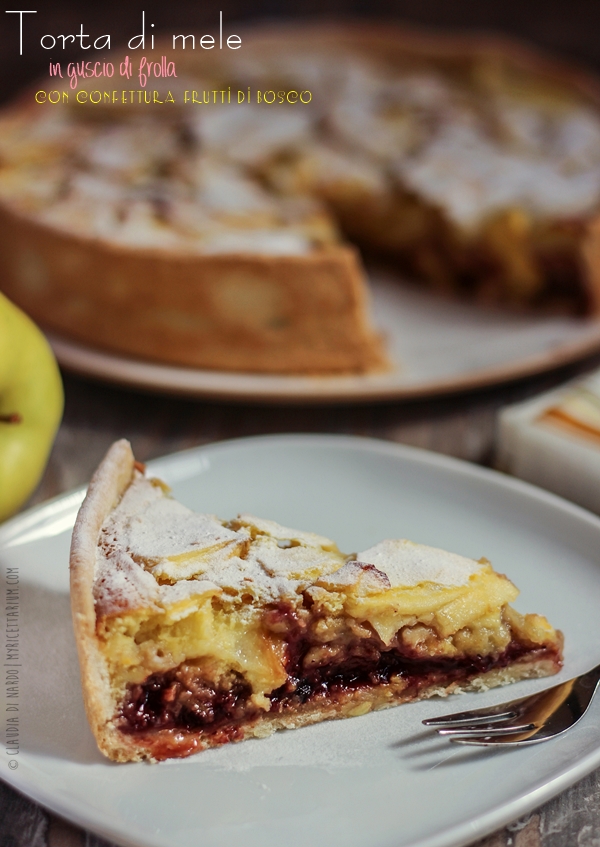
183 698
184 701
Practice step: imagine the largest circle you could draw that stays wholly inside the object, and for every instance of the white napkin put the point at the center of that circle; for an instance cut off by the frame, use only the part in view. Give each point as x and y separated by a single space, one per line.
554 441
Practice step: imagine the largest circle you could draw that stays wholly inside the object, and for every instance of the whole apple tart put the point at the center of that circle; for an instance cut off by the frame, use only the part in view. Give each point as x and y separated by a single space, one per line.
223 232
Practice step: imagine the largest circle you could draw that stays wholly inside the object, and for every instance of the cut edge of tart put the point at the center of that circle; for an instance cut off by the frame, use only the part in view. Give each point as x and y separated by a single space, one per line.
193 632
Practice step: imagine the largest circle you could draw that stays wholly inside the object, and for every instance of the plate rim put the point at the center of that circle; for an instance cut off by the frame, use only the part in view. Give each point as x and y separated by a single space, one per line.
458 835
107 366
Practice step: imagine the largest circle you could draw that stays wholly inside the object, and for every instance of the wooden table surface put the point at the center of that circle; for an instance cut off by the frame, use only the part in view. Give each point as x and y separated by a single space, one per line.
461 426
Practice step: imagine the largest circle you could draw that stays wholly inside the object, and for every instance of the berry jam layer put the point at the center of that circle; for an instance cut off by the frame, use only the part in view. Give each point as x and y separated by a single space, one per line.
184 698
172 709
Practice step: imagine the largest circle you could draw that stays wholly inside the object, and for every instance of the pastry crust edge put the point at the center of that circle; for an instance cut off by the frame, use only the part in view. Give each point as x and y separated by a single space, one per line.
70 283
106 488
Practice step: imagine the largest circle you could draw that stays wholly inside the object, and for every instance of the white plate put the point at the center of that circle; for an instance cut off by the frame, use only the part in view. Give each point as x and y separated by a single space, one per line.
374 781
438 345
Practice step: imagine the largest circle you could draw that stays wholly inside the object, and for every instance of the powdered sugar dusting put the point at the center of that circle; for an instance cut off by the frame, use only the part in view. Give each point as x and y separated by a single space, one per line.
285 533
153 526
360 575
121 584
156 552
407 564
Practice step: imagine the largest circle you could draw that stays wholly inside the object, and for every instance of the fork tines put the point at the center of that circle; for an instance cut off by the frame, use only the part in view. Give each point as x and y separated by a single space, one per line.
498 725
482 716
485 730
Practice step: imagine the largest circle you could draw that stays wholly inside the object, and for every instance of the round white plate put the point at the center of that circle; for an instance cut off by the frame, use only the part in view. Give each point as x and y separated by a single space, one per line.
376 781
437 346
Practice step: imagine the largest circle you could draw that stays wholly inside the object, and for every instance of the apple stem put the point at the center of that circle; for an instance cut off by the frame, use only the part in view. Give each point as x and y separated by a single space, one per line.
12 418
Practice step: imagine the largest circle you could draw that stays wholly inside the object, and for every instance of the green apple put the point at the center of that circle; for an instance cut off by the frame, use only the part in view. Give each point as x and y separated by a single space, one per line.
31 405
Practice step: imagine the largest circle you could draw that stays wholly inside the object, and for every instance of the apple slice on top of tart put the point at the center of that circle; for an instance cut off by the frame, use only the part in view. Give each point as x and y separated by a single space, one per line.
193 632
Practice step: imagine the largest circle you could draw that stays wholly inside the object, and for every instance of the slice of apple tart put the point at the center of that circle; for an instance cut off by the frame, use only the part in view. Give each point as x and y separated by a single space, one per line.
193 632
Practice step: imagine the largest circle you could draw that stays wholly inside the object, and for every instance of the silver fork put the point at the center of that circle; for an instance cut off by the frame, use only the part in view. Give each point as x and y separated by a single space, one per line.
528 720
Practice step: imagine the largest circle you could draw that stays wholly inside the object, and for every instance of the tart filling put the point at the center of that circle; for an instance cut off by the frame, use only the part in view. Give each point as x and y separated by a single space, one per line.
193 631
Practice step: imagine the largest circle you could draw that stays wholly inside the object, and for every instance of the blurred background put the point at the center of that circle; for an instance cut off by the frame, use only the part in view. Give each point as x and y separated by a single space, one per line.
464 425
570 28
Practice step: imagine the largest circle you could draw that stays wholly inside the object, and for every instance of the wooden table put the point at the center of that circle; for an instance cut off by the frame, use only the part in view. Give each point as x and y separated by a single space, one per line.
461 426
